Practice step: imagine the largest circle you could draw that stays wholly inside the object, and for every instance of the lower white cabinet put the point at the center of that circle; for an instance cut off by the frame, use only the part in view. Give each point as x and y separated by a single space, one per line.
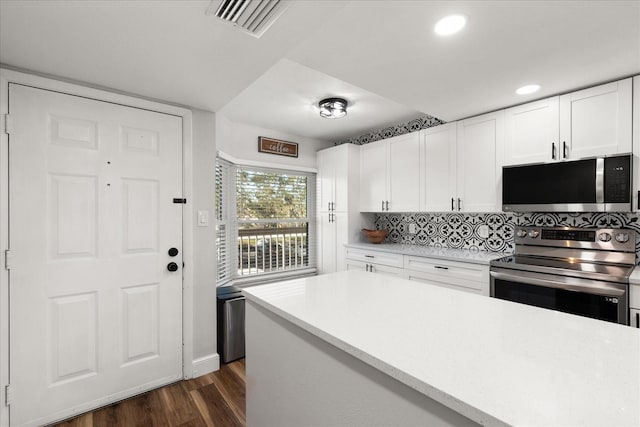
374 261
463 276
634 304
375 268
634 318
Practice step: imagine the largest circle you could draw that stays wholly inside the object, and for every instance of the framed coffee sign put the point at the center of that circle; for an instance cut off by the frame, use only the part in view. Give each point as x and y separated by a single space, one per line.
276 146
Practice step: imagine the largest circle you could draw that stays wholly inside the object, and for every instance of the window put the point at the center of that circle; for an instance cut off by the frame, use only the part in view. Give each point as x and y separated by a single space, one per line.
266 225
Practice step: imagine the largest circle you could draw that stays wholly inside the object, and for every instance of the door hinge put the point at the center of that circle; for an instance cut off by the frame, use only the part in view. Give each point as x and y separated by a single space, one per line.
7 395
8 257
8 124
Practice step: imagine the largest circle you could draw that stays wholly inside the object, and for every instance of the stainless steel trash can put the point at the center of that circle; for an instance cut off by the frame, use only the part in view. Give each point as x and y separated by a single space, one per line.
230 305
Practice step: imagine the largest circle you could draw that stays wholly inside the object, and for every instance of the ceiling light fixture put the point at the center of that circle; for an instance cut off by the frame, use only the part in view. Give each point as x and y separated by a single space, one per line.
526 90
333 108
450 25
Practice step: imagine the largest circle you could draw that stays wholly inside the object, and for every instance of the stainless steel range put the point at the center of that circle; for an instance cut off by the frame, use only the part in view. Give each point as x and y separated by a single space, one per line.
575 270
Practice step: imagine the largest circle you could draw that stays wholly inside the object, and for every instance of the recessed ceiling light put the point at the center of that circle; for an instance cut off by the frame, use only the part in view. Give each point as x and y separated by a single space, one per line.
450 25
526 90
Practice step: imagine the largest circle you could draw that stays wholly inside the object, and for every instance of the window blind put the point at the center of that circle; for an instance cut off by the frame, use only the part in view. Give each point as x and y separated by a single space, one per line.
265 222
223 191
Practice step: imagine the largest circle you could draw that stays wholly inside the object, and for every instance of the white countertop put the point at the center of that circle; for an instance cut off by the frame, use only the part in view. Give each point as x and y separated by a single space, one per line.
466 255
494 361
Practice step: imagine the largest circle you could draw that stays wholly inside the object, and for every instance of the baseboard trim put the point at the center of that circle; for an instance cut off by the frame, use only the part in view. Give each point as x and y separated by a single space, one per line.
206 364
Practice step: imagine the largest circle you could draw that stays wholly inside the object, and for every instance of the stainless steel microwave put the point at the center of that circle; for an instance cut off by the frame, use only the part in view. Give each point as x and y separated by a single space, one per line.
600 184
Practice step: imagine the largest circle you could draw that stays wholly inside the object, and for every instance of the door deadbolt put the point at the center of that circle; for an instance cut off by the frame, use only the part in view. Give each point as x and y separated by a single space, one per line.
173 252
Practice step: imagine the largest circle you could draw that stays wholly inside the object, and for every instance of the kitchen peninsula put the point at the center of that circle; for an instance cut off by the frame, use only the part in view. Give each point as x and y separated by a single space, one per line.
353 348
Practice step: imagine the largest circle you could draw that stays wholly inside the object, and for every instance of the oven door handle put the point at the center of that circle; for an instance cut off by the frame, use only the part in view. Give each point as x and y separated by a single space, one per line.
591 289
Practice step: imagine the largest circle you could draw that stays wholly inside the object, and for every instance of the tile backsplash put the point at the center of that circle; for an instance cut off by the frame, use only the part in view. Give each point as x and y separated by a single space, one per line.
493 232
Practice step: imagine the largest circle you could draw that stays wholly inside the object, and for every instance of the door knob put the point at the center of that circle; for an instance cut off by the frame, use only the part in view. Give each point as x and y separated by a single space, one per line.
173 252
172 266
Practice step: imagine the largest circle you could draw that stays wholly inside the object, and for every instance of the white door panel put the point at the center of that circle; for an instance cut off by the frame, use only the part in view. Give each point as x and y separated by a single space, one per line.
95 315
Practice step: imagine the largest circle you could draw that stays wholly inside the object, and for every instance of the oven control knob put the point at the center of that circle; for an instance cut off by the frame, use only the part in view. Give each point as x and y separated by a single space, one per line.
521 233
622 237
604 237
533 233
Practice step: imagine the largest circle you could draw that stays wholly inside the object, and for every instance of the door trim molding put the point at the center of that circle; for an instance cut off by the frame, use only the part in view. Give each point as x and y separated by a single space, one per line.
10 76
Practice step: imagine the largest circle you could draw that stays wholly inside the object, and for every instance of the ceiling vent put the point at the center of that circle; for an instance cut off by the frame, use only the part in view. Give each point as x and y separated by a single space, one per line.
251 16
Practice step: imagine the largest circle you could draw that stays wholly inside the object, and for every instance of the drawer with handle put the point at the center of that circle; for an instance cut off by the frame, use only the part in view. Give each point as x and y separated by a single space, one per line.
375 257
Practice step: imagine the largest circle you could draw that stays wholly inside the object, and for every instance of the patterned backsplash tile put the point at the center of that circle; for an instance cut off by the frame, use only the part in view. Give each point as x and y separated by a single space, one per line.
493 232
422 122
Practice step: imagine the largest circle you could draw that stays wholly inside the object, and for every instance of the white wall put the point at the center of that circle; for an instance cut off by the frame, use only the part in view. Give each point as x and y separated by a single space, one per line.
204 243
240 141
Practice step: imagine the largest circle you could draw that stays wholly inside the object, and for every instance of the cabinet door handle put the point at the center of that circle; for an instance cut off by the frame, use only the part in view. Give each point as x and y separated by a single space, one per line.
440 267
383 205
553 151
458 203
564 149
329 206
387 206
637 320
333 206
452 202
369 256
638 199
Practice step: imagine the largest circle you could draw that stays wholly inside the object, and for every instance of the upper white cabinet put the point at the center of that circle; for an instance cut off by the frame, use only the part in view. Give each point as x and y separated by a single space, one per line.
532 131
480 142
333 177
438 156
596 121
390 174
461 165
590 122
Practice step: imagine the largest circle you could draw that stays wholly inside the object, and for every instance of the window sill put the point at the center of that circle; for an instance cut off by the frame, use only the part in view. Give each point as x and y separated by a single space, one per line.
273 277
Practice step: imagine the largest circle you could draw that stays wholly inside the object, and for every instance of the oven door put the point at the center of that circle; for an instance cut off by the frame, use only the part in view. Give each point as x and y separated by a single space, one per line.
590 298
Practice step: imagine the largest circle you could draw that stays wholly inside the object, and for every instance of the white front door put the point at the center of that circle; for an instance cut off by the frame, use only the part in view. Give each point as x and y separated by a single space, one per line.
95 314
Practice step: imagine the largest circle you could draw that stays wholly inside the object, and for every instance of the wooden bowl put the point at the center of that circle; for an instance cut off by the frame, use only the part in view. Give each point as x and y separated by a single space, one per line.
375 236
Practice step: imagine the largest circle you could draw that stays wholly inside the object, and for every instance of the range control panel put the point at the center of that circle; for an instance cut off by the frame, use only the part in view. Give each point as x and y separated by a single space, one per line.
616 239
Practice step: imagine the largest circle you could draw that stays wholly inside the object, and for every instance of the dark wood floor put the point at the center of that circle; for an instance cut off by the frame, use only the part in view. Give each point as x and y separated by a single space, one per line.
213 400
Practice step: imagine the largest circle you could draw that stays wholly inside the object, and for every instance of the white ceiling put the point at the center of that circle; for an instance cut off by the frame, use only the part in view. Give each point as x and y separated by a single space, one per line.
380 55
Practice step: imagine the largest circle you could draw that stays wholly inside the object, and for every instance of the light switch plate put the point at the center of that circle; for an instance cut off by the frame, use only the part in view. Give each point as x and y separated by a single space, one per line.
203 218
483 231
412 228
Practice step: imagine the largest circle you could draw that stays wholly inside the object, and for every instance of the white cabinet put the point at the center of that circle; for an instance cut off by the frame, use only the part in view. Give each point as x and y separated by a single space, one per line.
338 219
461 165
390 174
596 121
335 179
586 123
333 233
532 132
374 261
372 267
462 276
634 303
634 319
438 156
373 176
479 148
